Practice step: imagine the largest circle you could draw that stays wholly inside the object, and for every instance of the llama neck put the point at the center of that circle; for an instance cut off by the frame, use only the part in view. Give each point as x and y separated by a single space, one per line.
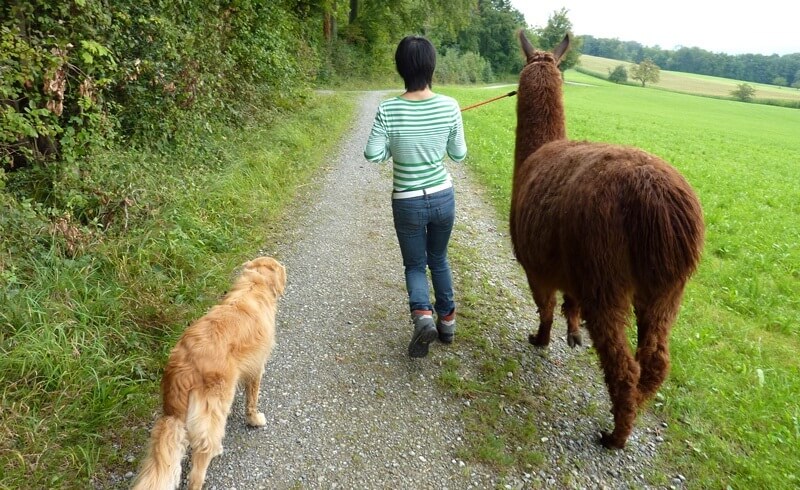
540 118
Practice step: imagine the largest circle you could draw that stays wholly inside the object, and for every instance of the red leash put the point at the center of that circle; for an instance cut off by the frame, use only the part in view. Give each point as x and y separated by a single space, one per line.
513 92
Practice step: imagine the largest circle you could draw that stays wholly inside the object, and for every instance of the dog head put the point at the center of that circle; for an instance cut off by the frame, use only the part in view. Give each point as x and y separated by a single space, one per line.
267 270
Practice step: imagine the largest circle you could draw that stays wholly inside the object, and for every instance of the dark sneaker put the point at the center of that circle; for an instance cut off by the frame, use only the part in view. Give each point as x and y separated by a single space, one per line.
446 326
424 333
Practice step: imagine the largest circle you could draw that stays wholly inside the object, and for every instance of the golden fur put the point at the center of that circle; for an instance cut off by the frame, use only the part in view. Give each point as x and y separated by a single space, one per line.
230 344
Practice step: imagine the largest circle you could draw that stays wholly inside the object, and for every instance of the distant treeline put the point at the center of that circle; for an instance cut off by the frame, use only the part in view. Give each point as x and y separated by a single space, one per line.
773 69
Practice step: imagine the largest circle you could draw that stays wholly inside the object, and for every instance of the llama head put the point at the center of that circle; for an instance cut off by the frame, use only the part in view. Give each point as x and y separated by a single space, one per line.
533 55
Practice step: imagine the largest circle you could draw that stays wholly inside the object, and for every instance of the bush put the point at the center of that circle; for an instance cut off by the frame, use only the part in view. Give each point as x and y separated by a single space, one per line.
744 92
457 68
618 75
86 75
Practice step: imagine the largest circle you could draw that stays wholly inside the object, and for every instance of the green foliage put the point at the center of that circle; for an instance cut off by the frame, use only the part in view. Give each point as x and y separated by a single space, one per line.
548 37
744 92
84 75
618 75
646 71
492 34
467 68
365 45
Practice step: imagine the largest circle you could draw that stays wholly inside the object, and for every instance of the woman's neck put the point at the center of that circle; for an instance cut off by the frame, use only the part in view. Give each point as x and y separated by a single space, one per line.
423 94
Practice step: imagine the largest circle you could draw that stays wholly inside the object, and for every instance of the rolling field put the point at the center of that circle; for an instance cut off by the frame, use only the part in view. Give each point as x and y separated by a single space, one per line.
690 83
731 398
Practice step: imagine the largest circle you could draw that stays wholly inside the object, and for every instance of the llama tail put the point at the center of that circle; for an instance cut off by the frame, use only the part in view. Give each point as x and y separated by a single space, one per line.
161 469
665 224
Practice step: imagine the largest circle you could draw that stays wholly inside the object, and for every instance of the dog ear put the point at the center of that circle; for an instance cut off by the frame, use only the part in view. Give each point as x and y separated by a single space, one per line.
279 279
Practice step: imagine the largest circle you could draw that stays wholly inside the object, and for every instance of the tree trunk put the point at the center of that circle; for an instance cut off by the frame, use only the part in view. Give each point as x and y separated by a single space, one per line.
353 10
329 23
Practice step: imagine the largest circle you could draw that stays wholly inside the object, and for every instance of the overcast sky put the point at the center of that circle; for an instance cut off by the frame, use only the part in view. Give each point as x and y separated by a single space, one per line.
765 26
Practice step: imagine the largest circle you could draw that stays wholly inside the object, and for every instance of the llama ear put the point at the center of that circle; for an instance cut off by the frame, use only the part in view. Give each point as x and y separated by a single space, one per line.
527 48
562 48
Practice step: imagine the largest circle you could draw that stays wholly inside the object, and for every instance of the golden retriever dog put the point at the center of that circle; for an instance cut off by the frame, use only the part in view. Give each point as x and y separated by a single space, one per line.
230 344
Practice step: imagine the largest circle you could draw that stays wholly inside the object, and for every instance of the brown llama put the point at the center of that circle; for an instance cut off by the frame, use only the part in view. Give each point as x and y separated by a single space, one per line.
609 227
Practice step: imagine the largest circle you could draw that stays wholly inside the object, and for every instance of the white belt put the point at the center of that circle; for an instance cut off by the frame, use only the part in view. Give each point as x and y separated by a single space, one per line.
422 192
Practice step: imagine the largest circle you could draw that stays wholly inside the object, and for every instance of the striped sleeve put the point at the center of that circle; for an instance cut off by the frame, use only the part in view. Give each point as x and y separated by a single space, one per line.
456 146
377 149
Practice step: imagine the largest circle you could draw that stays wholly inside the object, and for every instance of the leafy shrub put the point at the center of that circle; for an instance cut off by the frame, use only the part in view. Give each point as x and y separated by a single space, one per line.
457 68
618 75
84 75
744 92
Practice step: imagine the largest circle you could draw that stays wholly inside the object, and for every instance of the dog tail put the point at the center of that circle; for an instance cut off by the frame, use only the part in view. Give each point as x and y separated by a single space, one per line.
161 469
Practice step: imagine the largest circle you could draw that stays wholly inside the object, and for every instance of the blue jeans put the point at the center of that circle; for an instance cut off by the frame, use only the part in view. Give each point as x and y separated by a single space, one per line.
423 226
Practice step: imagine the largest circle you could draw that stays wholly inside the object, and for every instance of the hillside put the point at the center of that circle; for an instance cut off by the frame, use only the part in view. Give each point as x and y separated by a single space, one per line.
691 83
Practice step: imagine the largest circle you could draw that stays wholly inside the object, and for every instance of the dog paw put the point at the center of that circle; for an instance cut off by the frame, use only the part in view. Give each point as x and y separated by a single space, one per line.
257 420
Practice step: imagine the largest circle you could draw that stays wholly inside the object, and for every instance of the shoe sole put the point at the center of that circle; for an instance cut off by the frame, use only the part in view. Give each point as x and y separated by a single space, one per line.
421 341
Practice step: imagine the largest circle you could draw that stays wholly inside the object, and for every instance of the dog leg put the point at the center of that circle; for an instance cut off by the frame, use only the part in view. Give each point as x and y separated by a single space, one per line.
252 386
208 413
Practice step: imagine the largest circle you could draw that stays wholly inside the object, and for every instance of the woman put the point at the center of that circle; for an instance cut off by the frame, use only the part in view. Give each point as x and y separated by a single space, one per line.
417 130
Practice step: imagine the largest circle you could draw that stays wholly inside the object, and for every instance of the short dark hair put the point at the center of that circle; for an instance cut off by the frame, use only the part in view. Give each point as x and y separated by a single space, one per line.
415 59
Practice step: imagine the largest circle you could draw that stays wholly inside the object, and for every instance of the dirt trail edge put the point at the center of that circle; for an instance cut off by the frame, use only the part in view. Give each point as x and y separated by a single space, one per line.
345 406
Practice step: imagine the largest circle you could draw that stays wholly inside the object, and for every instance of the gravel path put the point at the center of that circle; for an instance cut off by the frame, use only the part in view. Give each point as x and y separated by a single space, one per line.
346 407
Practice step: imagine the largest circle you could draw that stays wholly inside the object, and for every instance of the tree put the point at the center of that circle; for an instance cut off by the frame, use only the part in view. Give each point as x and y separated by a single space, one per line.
618 75
744 92
491 33
548 37
646 71
780 81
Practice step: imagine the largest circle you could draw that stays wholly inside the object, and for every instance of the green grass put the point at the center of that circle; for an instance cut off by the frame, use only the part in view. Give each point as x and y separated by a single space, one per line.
83 339
731 398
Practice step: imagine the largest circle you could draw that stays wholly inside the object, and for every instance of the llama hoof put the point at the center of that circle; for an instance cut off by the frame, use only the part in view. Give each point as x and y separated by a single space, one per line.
538 342
257 420
608 441
574 339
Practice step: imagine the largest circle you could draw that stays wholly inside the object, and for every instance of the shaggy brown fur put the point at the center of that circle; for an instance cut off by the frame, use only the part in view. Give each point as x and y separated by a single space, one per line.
610 227
229 344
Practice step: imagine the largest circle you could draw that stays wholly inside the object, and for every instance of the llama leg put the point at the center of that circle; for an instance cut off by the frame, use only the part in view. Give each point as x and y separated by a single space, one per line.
545 302
572 312
252 386
654 319
607 329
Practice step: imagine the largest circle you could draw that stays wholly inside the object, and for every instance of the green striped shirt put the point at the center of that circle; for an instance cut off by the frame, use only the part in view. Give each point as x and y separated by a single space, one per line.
417 135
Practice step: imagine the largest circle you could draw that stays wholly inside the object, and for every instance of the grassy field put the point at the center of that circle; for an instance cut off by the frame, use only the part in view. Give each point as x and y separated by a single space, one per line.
83 338
731 398
693 84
